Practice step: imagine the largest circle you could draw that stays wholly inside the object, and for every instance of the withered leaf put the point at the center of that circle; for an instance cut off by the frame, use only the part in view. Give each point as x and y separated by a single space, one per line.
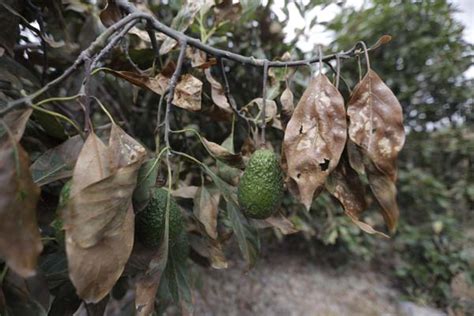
385 191
184 19
287 104
98 217
15 121
187 93
253 110
157 84
223 154
345 185
314 138
94 270
283 224
58 162
187 192
199 58
210 249
228 11
110 14
217 92
206 208
376 122
20 240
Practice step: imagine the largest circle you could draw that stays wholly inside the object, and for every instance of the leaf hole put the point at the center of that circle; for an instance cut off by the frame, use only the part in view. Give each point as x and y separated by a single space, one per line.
374 130
324 165
301 129
298 175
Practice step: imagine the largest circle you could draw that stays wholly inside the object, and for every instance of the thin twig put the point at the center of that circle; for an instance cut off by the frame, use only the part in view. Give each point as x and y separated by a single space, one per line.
264 102
112 43
157 25
229 97
88 53
171 88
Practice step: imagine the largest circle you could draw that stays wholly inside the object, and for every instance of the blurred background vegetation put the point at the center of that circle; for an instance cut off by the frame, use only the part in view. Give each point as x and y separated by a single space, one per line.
425 66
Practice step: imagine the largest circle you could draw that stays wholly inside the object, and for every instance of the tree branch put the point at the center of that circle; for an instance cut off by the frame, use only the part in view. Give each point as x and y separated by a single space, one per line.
219 53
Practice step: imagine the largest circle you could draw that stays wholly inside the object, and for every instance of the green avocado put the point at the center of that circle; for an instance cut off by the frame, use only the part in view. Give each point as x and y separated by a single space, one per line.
260 189
150 223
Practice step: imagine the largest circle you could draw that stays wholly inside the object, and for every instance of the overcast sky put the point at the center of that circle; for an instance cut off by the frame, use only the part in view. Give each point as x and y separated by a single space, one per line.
316 35
296 21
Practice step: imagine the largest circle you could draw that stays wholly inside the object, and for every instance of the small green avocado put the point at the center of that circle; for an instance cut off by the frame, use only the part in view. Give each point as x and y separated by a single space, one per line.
260 189
150 223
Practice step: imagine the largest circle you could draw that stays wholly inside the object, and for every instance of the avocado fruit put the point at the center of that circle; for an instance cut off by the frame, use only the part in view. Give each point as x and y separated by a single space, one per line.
260 190
150 222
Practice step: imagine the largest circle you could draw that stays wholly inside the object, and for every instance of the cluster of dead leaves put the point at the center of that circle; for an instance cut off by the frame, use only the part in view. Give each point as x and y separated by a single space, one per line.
317 153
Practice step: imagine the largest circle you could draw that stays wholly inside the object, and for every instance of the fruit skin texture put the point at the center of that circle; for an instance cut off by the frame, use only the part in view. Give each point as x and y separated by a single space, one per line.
260 189
150 223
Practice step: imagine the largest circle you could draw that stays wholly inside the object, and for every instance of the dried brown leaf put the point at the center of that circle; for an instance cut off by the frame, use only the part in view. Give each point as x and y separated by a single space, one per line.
94 270
98 217
228 11
223 154
187 192
20 240
184 19
110 14
199 58
210 249
315 138
287 104
217 92
376 123
15 121
58 162
345 185
283 224
206 209
385 192
188 93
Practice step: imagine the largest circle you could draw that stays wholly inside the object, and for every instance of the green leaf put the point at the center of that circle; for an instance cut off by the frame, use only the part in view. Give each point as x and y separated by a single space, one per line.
146 181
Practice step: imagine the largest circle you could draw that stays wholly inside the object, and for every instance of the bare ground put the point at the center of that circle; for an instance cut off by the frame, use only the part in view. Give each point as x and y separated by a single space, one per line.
290 283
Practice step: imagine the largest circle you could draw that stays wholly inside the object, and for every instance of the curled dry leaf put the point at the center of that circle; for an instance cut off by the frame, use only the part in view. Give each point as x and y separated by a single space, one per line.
223 154
98 217
283 224
20 240
228 11
217 92
314 138
58 162
385 192
345 185
376 123
376 128
187 192
210 249
187 94
206 208
110 14
15 121
287 105
254 108
184 19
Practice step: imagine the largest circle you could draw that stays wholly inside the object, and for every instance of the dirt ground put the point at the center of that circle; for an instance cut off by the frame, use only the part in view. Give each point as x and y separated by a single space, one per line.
291 283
